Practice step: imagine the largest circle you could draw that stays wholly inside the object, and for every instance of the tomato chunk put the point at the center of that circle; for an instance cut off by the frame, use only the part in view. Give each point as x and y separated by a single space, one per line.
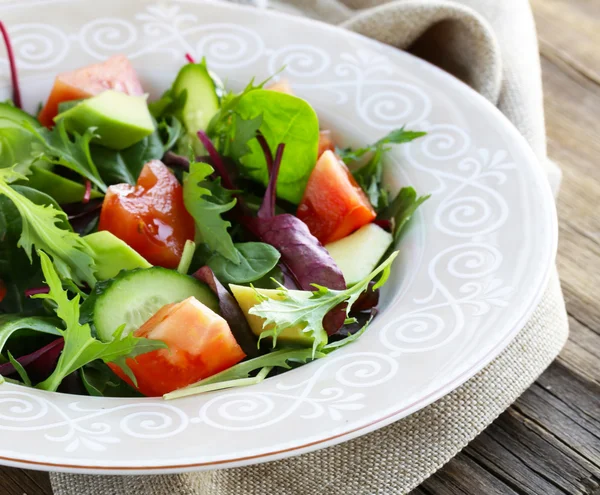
200 345
282 86
150 217
3 290
325 142
333 204
115 73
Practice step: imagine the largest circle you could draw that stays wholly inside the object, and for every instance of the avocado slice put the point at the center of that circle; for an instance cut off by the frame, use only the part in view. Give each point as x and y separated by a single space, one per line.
358 254
246 298
120 120
63 190
112 255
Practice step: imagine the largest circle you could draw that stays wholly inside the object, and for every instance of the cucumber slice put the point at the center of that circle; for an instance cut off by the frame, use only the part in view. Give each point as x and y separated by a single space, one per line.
201 102
134 296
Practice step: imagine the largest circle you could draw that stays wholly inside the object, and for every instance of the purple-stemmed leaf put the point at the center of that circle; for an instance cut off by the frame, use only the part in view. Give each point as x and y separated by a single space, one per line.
367 300
231 311
307 260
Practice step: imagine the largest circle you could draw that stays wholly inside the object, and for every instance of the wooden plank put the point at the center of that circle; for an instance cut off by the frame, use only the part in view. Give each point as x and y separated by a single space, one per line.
462 475
23 482
582 352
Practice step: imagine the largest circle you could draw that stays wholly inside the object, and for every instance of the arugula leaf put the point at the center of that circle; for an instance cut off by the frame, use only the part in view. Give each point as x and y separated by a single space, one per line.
285 119
80 348
172 129
241 371
397 136
12 323
369 177
40 228
243 131
55 146
206 201
19 369
294 310
219 128
256 259
125 166
402 208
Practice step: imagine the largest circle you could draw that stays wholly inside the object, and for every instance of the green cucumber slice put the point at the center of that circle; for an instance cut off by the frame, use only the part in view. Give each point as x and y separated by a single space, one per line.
201 102
134 296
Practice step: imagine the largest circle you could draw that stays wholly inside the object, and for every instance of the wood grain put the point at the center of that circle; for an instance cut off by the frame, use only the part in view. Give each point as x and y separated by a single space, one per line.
549 441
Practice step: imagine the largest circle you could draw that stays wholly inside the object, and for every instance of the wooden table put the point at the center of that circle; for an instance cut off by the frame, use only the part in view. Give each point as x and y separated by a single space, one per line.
548 442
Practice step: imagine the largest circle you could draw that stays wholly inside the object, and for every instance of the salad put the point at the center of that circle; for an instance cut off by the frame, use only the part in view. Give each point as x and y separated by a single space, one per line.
205 240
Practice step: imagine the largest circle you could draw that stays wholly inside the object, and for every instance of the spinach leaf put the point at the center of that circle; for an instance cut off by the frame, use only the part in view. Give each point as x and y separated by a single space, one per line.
285 119
402 208
80 348
99 381
13 323
256 260
206 201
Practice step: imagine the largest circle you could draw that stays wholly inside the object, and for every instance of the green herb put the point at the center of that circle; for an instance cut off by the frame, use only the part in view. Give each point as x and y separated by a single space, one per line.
55 146
308 313
40 228
80 347
19 369
402 208
285 119
257 259
172 130
206 201
397 136
11 324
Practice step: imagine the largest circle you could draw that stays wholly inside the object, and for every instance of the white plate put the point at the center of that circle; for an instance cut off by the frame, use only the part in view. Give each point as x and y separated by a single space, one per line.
473 264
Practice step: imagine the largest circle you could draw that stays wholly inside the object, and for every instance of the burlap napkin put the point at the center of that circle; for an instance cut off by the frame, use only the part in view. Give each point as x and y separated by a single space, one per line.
492 46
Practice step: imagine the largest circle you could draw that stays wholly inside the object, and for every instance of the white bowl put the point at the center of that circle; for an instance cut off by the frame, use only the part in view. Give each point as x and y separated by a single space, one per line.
473 263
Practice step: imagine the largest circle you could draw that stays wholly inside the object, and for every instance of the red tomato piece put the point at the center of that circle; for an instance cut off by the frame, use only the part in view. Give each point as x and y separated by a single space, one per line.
200 345
115 73
3 290
333 205
281 86
150 216
325 142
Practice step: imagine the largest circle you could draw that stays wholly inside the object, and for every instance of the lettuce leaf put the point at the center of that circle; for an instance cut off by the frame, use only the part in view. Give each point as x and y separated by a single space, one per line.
41 228
206 201
309 313
80 348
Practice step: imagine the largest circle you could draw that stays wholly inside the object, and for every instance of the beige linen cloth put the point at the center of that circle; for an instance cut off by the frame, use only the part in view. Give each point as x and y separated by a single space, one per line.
491 45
